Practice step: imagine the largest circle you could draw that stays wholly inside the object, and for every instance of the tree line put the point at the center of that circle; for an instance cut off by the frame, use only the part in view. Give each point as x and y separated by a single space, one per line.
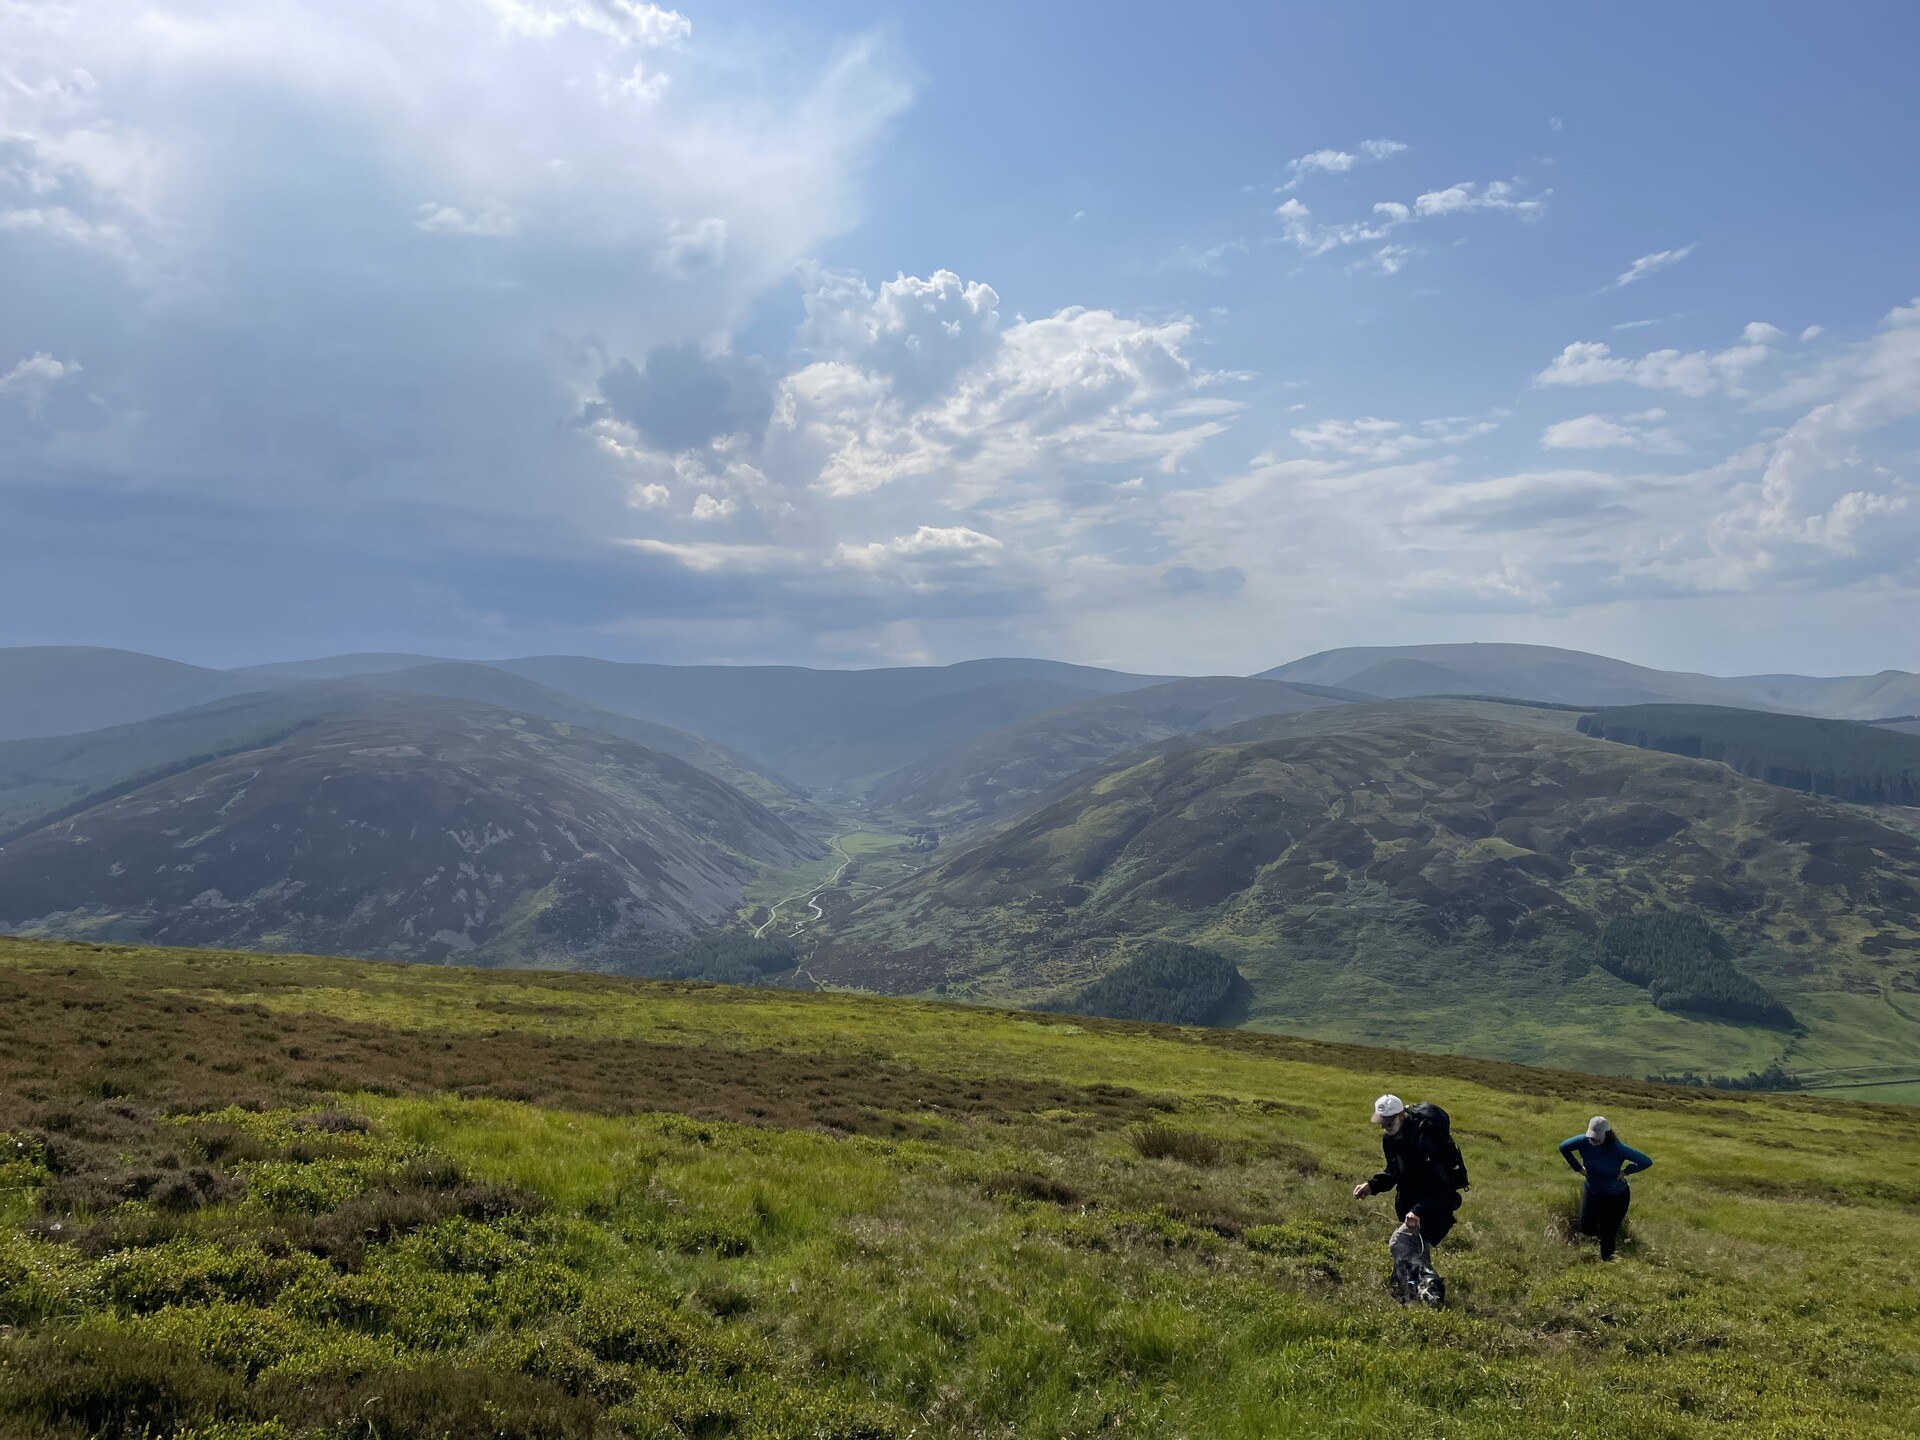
1168 982
1844 759
1684 964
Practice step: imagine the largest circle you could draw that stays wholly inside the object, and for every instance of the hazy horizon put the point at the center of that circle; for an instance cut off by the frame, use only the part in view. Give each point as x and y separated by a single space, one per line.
861 337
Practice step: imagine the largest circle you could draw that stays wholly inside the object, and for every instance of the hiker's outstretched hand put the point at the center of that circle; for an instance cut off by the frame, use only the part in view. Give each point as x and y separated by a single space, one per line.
1363 1189
1412 1221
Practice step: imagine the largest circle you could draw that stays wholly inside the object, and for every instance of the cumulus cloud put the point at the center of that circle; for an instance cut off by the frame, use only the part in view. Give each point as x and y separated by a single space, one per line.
1694 373
1639 431
1312 238
920 333
31 380
1648 264
922 379
1338 162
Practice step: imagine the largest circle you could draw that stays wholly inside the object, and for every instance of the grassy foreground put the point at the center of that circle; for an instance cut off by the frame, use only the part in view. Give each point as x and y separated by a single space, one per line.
257 1197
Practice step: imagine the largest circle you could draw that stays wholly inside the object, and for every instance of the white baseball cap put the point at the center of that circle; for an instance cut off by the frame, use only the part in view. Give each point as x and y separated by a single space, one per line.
1598 1129
1386 1107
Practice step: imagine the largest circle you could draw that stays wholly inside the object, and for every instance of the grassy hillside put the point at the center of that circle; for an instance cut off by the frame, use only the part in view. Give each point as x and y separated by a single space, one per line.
1866 764
1435 876
417 829
997 771
322 1198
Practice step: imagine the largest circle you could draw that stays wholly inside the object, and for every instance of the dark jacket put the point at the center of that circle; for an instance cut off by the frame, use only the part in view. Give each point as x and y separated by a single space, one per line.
1422 1169
1605 1166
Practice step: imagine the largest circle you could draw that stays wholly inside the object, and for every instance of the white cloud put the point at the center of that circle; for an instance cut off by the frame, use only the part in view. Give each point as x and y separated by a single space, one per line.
924 379
1631 432
484 220
1312 238
1812 332
1648 264
31 380
708 508
1693 373
1497 195
1370 438
927 543
624 21
1338 162
710 558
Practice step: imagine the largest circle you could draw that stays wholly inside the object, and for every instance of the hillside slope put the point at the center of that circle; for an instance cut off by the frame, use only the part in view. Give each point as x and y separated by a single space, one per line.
1433 879
418 830
486 685
829 728
66 689
1573 677
550 1207
970 782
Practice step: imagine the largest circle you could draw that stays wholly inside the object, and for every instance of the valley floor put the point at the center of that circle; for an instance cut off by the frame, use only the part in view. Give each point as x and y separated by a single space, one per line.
259 1197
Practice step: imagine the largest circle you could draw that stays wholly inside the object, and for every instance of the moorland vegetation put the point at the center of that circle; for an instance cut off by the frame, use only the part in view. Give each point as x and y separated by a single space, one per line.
289 1198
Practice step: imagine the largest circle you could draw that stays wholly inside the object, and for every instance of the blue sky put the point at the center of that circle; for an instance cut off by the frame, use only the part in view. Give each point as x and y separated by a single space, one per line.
885 335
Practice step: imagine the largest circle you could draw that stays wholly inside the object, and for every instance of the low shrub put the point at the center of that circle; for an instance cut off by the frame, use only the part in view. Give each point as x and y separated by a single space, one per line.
112 1385
1024 1185
1164 1142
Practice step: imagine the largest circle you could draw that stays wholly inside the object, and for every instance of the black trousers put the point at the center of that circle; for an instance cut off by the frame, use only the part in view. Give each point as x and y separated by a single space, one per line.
1603 1215
1436 1213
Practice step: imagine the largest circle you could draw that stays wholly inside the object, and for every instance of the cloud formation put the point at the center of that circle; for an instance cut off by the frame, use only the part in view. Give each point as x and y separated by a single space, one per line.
1693 373
1338 162
1649 264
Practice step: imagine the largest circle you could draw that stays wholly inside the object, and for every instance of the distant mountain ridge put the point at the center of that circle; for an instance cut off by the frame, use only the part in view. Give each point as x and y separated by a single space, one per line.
1574 677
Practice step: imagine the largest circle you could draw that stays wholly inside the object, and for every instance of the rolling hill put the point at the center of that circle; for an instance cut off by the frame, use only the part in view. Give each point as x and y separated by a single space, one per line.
416 829
65 689
1432 875
830 728
272 1196
985 776
483 684
1573 677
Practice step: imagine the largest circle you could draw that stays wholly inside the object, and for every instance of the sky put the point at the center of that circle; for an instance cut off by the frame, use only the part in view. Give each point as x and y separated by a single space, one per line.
1183 342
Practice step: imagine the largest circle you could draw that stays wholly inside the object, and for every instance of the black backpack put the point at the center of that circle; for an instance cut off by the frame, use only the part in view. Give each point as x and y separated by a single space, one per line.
1436 1127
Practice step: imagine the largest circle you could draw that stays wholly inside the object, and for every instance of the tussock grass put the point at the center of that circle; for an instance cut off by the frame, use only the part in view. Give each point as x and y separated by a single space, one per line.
1164 1142
671 1233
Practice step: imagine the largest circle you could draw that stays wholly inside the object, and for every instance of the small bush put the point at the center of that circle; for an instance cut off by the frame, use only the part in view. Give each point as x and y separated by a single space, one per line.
1024 1185
112 1385
436 1401
1163 1142
636 1329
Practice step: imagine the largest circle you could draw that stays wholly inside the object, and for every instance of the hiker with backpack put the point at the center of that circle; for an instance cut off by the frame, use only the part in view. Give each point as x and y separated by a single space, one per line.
1426 1173
1606 1162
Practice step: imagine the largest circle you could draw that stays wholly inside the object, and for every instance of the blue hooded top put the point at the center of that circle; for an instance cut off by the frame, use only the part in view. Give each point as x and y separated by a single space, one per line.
1605 1166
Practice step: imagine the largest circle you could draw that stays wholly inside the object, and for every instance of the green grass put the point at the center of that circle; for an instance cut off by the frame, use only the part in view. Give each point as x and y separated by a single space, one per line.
517 1204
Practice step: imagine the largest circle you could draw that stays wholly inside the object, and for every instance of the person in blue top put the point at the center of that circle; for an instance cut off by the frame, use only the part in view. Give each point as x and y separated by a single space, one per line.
1606 1163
